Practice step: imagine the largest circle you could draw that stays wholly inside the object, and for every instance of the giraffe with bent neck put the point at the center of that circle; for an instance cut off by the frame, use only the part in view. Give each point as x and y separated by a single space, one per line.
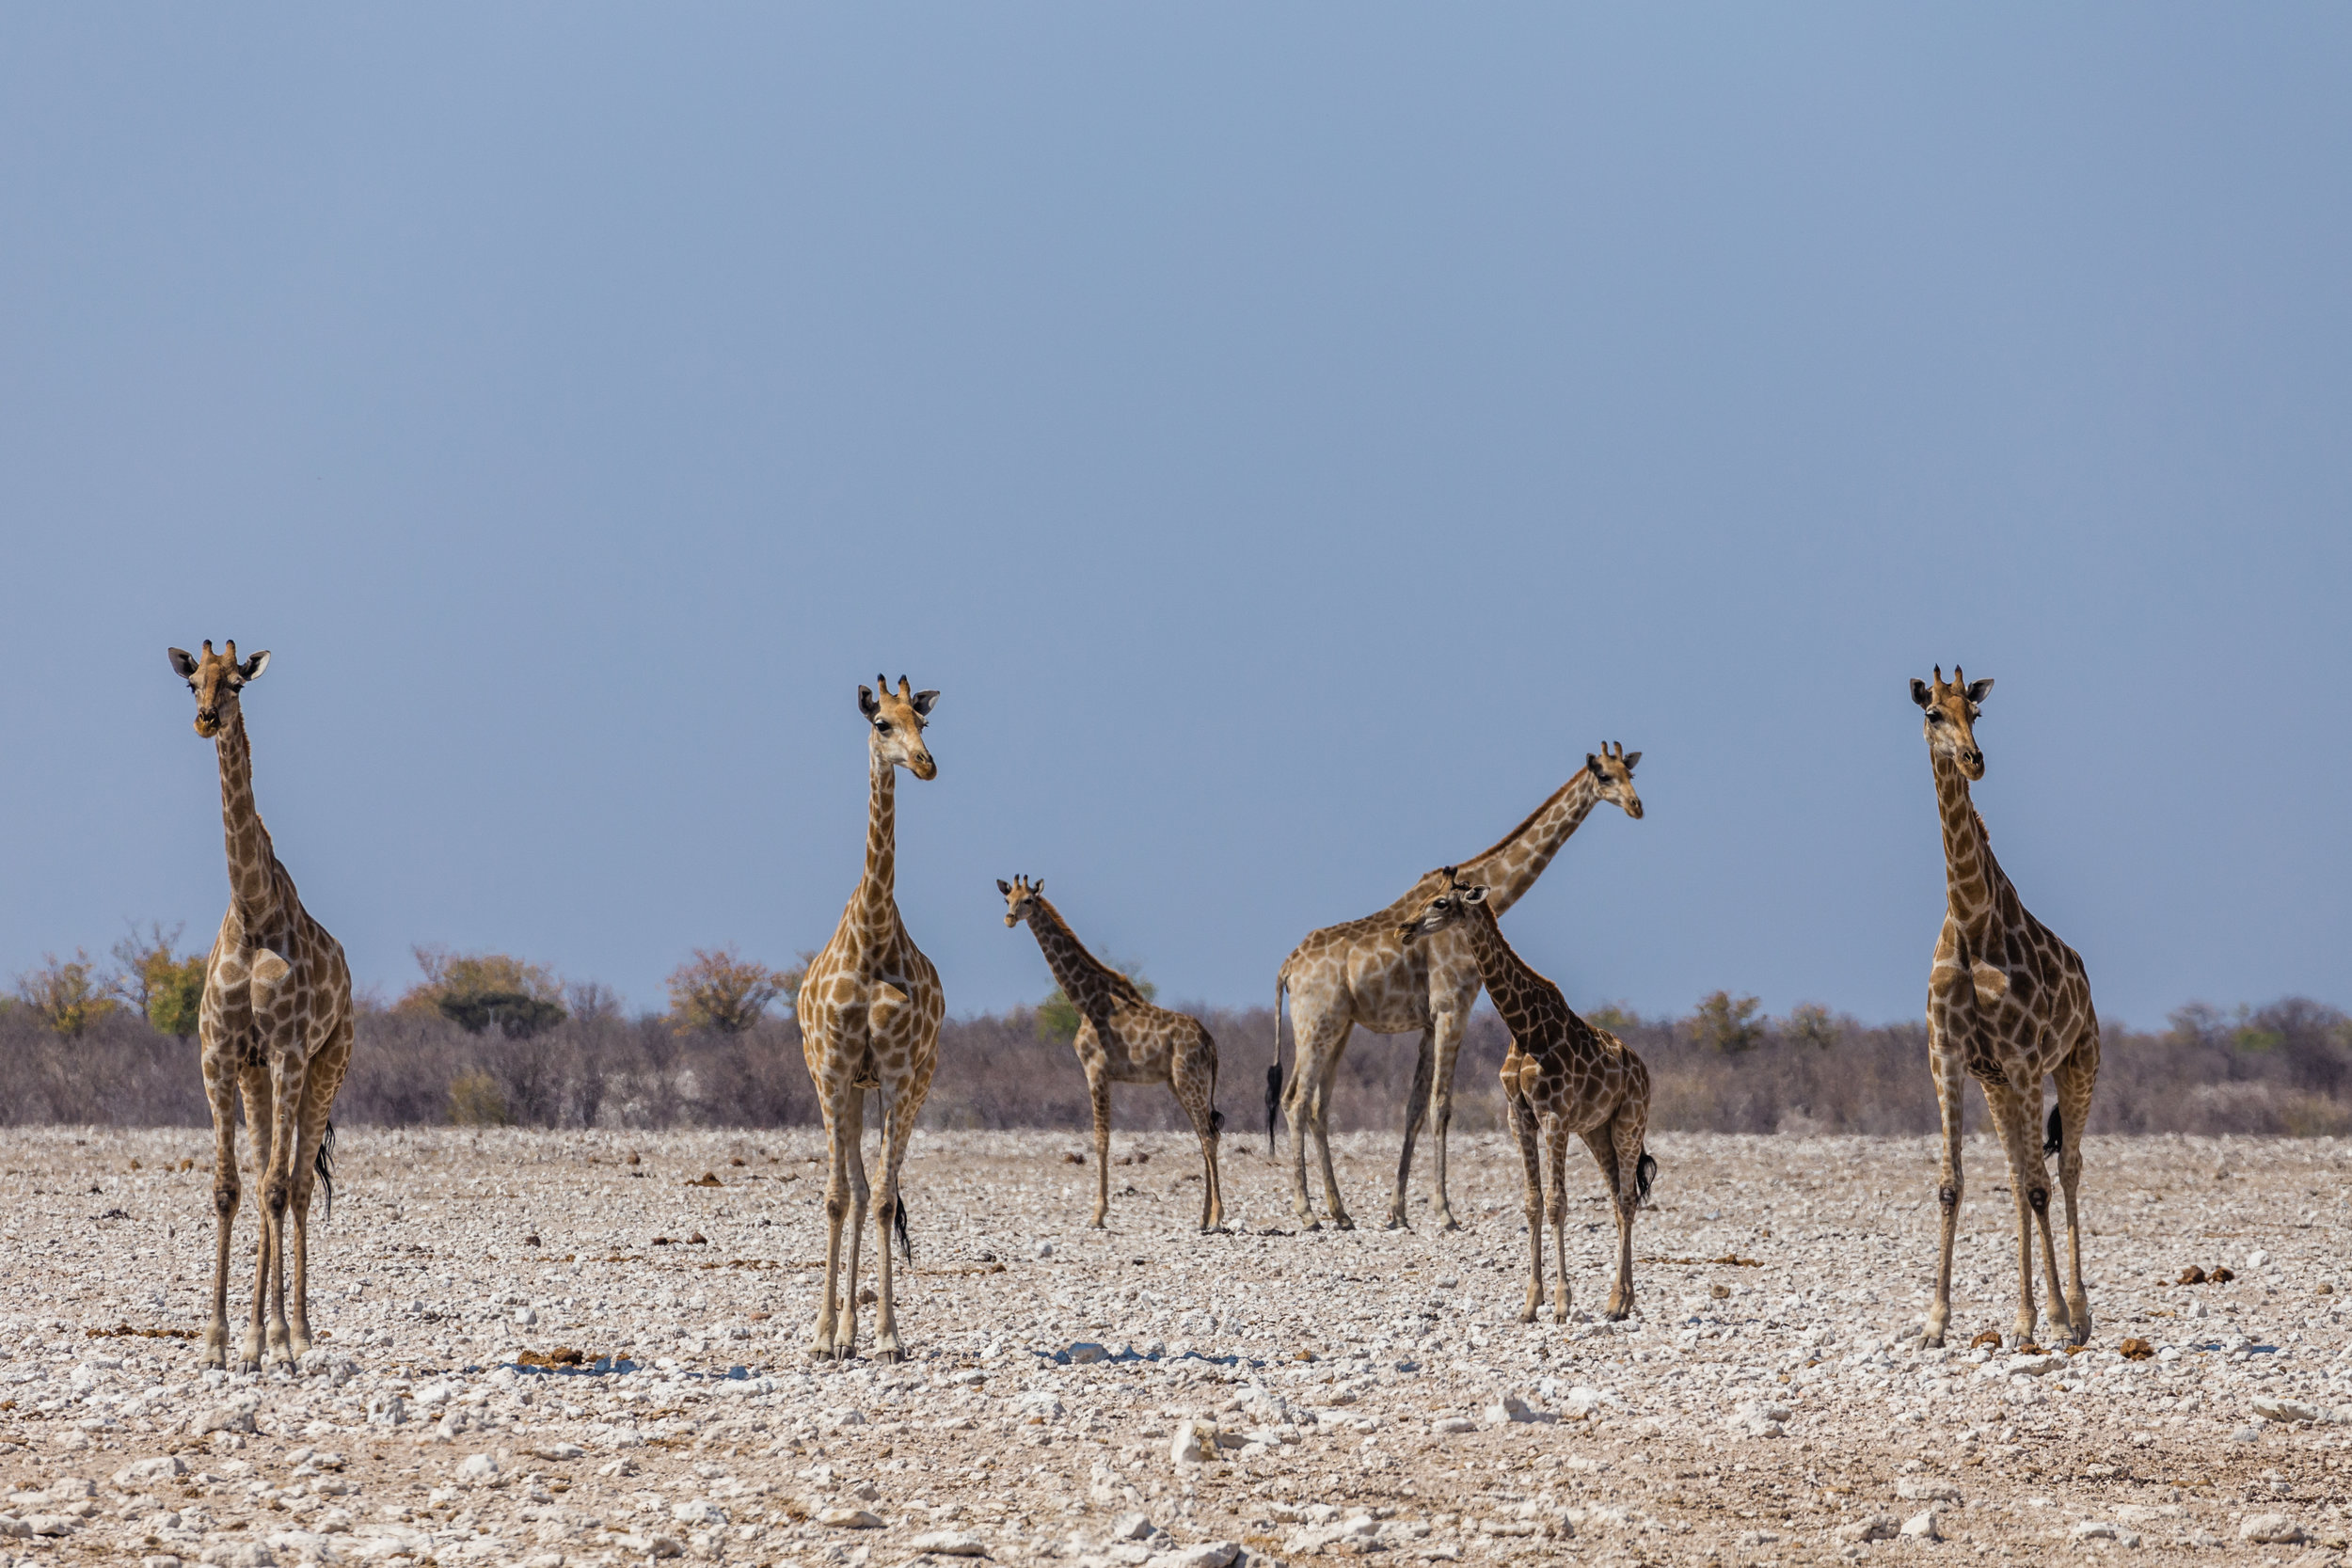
869 1010
1563 1077
2009 1004
1362 975
1123 1039
275 1025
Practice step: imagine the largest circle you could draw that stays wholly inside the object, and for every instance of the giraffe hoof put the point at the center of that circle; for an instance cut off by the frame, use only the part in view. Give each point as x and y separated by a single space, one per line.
1343 1222
1446 1220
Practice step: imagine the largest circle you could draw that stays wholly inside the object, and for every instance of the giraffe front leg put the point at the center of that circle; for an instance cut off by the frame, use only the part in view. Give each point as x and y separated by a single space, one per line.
1523 1128
837 1214
1194 1080
898 1127
278 1192
1341 1218
1099 1091
220 1089
1416 1113
2062 1318
1556 1210
1950 1086
2024 1176
861 1198
1315 1055
253 1081
2074 1083
1447 1022
1630 1133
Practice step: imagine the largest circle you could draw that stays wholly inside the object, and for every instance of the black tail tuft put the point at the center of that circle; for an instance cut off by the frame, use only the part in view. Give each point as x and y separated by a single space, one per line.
1216 1122
1273 1103
898 1220
1644 1169
2056 1139
324 1165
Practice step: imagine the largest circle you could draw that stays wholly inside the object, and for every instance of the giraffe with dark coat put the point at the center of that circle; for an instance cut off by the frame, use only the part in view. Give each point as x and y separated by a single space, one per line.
1564 1078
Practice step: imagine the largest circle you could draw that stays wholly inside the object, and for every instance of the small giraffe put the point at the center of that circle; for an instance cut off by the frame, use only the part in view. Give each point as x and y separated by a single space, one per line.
1359 974
869 1008
2024 1014
1123 1039
274 1024
1564 1076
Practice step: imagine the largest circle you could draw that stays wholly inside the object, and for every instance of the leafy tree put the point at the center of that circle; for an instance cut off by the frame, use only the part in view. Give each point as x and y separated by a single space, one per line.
1616 1017
65 995
719 990
477 990
1728 1023
1058 1016
168 990
1810 1024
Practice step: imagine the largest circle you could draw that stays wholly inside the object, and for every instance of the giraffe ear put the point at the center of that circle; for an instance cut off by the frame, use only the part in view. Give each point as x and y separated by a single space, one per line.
1631 760
1475 896
867 703
183 663
1920 693
924 701
251 669
1004 887
1977 690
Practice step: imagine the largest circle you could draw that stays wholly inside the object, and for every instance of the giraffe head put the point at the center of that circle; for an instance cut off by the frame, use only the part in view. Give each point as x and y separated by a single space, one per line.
1614 775
1022 898
1951 721
1453 902
216 679
897 718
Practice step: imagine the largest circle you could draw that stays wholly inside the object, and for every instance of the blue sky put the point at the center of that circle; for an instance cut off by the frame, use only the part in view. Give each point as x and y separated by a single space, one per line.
1291 437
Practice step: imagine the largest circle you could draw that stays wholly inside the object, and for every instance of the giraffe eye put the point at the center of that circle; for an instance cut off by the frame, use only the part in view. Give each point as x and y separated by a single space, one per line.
882 725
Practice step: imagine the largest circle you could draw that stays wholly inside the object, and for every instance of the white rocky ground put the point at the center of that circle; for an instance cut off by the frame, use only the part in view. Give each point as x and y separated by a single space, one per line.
1329 1393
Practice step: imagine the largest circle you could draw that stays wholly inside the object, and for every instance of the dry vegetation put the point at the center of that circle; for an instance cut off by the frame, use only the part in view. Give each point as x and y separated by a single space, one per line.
517 1050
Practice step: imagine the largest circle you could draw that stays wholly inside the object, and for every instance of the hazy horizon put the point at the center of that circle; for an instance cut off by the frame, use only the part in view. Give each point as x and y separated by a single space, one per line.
1290 442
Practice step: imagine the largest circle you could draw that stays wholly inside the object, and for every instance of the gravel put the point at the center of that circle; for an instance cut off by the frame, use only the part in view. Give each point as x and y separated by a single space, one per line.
636 1384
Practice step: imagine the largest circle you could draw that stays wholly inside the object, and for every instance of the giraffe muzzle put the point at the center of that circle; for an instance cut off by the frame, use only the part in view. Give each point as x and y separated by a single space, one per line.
923 766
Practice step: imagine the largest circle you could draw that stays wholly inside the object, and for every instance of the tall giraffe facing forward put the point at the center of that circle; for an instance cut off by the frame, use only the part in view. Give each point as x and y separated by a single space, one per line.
869 1008
274 1024
2010 1005
1123 1039
1364 974
1563 1077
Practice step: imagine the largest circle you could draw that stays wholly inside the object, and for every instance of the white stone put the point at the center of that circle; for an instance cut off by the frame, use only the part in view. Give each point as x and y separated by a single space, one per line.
947 1543
1084 1353
849 1518
1131 1526
525 1316
478 1467
1921 1525
146 1472
2270 1529
1453 1425
1922 1489
2286 1410
1207 1554
1510 1409
699 1511
1879 1527
2102 1529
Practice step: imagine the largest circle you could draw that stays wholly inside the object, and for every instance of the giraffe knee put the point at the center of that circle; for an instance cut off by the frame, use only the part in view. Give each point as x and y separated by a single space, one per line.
275 1193
1947 1196
225 1198
2039 1195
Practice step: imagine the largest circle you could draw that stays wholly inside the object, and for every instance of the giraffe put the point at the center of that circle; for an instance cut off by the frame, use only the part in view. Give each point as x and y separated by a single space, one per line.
2024 1014
1123 1039
275 1025
1363 975
1564 1076
869 1010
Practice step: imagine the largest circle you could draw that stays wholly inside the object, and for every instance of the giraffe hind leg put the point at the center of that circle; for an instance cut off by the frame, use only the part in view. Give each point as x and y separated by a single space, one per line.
2076 1078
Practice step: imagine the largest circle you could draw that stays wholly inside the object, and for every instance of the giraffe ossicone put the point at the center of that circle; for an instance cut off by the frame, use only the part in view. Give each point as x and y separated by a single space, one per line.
2009 1004
869 1010
1361 974
1124 1038
275 1025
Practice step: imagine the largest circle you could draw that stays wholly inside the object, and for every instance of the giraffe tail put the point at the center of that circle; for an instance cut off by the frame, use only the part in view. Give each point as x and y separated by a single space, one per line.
2055 1143
1644 1170
324 1165
1273 1073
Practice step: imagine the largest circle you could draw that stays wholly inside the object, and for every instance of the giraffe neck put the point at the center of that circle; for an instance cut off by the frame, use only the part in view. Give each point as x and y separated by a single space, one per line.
1083 978
1511 868
1970 878
1516 989
875 907
250 854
